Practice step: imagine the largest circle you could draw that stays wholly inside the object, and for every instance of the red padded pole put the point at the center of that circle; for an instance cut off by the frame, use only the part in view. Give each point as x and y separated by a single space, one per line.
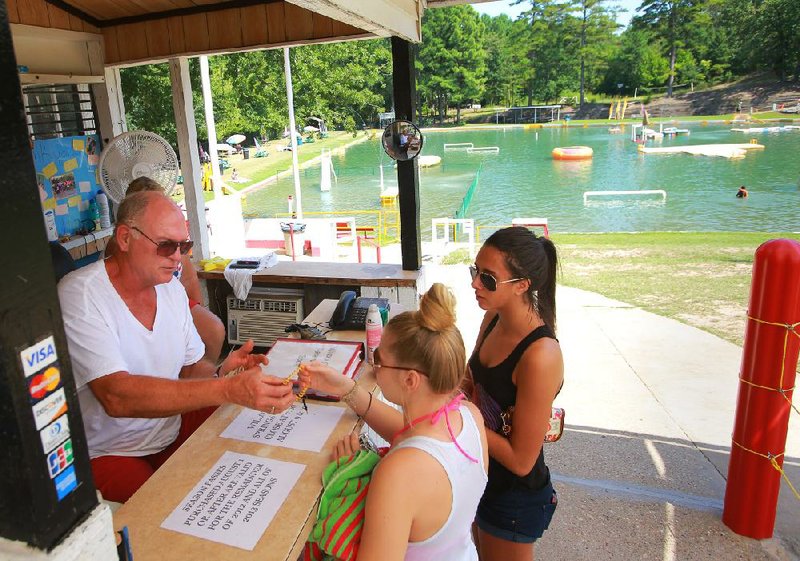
769 358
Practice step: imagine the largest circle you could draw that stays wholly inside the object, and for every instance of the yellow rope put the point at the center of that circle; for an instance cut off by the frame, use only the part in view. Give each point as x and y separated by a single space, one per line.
790 328
773 459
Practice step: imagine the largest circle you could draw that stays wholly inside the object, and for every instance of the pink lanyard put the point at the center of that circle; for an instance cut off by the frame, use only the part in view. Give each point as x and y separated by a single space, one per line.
452 405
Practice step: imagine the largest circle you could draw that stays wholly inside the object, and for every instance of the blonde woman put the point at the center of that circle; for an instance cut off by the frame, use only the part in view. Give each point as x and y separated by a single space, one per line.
424 492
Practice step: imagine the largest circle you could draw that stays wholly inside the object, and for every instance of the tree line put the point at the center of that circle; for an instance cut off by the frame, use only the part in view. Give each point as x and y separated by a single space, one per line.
555 49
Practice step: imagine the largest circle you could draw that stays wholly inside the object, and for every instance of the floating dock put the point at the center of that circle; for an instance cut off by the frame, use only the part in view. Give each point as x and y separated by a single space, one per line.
720 150
458 145
484 150
660 192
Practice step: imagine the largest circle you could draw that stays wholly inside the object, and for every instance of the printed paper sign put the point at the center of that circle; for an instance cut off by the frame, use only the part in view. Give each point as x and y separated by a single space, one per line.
55 433
37 356
66 483
54 405
294 428
236 500
45 382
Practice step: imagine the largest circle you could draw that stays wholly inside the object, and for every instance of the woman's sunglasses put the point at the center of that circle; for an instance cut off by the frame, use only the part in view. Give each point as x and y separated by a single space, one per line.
165 249
488 281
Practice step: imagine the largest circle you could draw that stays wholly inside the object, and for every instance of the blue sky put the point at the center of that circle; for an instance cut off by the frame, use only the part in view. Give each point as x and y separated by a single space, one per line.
505 7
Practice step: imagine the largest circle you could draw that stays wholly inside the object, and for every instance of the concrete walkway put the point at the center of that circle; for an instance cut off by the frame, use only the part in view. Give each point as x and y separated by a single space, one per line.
649 405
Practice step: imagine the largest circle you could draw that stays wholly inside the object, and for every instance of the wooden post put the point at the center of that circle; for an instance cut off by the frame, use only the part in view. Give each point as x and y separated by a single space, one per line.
404 89
211 126
109 105
189 155
47 488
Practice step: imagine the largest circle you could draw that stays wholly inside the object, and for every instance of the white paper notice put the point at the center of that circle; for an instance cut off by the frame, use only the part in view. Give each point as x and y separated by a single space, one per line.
294 428
236 500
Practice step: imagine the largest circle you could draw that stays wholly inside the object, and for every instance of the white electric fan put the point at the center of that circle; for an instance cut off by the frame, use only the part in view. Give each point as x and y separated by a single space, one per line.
135 154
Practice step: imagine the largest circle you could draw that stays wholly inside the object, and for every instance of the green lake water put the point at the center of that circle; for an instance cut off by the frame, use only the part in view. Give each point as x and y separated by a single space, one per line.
524 181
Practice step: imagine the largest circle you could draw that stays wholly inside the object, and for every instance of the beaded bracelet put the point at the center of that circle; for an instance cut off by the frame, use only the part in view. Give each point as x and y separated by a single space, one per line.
301 396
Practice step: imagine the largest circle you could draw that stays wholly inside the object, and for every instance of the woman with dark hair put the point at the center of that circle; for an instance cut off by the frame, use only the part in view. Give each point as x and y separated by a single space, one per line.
516 371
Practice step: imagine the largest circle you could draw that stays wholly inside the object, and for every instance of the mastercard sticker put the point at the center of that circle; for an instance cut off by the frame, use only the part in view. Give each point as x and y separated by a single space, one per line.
45 382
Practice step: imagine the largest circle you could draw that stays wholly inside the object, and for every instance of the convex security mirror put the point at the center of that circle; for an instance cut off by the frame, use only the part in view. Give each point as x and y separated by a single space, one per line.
402 140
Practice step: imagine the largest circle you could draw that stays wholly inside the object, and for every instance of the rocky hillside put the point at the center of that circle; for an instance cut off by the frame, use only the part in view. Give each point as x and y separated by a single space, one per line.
739 97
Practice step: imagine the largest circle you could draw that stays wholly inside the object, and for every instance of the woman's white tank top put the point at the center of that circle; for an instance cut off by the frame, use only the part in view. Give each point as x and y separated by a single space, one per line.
453 541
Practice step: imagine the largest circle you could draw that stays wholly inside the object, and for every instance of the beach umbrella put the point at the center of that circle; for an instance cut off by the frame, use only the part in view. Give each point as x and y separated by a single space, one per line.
309 128
236 139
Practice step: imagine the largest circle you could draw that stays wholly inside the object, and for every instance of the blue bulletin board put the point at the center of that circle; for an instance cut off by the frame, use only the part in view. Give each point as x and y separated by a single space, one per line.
66 171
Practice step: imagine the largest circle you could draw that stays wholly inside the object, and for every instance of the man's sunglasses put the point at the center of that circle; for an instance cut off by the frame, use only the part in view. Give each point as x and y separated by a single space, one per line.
488 281
165 249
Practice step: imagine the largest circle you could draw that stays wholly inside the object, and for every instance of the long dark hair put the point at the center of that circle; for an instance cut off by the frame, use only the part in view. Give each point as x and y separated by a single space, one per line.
534 258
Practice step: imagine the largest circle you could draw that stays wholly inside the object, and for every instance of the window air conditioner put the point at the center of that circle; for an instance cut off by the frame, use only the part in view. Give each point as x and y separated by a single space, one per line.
263 316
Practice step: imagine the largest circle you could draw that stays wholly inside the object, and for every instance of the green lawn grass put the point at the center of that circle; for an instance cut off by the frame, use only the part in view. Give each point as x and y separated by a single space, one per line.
702 279
259 169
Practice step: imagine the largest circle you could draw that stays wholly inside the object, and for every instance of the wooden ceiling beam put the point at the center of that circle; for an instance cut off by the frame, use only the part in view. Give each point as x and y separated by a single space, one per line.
177 12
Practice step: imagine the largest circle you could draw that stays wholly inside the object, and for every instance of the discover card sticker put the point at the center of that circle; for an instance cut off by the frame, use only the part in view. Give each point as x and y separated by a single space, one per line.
235 500
54 405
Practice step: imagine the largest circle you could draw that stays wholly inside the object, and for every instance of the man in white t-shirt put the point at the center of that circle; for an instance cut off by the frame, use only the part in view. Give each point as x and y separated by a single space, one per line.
143 384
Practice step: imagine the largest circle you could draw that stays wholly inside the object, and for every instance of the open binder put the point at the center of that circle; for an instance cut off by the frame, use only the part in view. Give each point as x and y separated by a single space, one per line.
287 354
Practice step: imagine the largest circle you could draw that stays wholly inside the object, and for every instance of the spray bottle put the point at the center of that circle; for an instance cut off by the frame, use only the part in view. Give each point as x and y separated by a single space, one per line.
374 332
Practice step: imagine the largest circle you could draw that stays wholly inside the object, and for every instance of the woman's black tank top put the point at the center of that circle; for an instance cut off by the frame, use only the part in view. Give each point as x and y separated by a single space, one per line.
496 393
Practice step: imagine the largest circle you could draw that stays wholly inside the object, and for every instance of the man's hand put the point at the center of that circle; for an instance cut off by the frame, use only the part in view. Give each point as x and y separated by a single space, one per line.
256 390
243 357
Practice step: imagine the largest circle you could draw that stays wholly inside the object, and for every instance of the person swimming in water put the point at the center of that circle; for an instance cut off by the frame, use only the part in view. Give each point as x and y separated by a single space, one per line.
742 192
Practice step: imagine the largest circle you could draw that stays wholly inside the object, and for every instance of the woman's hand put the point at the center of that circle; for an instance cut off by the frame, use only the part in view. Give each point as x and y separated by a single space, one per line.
243 358
323 378
347 446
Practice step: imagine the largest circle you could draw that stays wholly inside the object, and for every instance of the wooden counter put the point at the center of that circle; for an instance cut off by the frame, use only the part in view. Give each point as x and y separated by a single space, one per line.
321 280
166 489
326 273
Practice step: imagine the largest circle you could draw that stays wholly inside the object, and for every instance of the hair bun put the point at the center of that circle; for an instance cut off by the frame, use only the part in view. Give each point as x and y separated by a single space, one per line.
437 308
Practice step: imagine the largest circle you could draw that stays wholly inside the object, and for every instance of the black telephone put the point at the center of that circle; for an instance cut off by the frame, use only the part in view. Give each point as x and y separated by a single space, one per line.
351 311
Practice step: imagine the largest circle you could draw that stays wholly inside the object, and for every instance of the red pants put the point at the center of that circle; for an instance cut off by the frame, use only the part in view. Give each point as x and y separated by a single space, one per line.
119 477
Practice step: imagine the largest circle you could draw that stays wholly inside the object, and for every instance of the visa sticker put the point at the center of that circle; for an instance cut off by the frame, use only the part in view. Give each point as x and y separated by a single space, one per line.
66 483
37 356
55 433
51 407
42 384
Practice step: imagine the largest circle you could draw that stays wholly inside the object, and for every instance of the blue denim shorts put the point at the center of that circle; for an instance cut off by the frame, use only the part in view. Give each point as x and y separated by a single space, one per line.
519 515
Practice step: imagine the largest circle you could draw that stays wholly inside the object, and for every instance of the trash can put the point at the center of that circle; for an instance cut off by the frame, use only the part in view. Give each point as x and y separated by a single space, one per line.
246 153
297 231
